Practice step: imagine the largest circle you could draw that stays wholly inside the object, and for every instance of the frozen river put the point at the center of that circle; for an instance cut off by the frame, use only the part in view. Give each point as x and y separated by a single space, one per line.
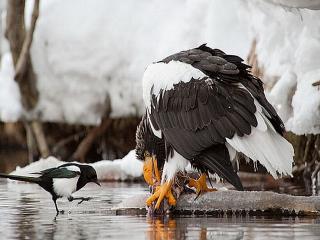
27 212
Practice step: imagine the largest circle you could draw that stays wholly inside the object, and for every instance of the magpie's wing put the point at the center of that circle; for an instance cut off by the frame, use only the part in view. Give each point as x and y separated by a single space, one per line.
61 172
44 171
69 170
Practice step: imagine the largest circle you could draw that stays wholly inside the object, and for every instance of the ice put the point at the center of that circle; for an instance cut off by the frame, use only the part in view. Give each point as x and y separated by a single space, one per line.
251 202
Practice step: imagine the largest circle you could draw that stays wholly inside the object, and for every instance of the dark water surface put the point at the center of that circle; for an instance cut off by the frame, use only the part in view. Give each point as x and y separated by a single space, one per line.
27 212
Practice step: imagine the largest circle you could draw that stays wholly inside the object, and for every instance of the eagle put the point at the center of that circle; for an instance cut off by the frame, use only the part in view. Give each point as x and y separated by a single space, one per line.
202 107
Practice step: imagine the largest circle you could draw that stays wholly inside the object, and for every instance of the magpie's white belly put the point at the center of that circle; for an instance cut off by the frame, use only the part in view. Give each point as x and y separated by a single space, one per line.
64 187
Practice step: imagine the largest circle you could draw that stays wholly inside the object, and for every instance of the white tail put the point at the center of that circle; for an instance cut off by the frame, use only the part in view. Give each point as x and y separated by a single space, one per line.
265 145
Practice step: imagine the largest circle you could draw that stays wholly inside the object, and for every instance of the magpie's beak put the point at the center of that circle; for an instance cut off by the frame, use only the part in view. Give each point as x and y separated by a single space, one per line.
97 182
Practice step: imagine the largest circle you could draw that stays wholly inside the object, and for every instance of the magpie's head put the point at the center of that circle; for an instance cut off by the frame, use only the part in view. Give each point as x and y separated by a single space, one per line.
90 174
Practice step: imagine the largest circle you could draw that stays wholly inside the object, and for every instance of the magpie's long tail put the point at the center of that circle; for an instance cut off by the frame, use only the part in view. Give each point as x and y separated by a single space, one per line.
216 160
21 178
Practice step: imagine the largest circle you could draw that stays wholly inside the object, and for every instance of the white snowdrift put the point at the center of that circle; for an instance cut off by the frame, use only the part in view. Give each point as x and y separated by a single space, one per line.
10 106
87 51
84 51
289 48
127 168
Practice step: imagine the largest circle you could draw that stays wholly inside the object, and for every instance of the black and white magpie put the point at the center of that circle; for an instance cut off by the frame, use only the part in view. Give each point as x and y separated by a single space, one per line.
203 106
61 181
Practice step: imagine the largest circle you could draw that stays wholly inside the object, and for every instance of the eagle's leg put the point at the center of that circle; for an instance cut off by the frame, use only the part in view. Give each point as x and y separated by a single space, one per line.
200 185
151 172
162 191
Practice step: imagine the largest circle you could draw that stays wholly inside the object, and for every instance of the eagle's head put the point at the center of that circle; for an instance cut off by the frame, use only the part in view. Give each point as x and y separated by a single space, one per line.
151 150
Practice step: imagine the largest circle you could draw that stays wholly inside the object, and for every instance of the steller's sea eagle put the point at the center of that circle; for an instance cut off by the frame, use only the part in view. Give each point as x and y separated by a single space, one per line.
203 106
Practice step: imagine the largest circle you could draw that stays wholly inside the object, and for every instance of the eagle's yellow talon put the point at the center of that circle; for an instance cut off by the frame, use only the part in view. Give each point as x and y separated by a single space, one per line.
163 191
201 184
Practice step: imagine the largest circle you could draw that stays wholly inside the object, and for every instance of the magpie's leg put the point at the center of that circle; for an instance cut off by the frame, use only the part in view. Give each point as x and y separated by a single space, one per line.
82 199
55 204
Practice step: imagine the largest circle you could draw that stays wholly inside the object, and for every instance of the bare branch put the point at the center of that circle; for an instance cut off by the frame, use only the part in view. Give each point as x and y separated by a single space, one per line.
22 64
87 142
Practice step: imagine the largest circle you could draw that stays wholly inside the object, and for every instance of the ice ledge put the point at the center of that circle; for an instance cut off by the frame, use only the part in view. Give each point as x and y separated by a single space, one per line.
232 202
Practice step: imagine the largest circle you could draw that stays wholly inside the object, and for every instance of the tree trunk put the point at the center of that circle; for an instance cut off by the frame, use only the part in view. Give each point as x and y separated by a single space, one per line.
20 42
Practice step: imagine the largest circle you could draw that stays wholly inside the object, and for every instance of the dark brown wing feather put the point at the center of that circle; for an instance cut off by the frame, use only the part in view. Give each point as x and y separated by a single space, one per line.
196 118
228 69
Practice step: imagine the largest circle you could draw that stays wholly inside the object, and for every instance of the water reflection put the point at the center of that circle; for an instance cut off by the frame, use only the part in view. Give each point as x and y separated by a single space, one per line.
163 228
169 228
26 218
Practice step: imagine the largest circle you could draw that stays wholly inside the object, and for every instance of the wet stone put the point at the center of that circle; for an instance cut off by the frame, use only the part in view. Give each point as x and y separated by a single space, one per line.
250 203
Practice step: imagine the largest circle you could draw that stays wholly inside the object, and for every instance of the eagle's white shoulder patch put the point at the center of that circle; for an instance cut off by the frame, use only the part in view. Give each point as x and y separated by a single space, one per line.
162 76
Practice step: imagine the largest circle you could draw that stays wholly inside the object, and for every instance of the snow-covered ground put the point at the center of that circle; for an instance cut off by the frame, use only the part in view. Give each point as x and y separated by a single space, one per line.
127 168
87 51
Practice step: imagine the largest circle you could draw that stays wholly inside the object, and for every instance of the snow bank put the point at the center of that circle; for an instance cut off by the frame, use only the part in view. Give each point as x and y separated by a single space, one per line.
289 47
127 168
86 51
10 106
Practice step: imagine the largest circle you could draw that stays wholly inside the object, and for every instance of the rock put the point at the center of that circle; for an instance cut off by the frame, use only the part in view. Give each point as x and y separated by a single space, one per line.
232 202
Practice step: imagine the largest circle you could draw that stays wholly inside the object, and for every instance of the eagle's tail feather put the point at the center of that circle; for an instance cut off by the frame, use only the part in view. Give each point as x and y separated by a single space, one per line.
216 160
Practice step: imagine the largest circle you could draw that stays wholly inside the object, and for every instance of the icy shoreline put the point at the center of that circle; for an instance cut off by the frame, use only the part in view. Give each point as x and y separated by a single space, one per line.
254 203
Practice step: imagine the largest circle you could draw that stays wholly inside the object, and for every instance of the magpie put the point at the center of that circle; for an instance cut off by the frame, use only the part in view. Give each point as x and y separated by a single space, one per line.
62 181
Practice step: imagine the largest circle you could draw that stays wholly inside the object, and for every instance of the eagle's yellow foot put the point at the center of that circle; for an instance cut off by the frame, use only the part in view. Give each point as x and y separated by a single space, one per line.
151 172
201 185
163 191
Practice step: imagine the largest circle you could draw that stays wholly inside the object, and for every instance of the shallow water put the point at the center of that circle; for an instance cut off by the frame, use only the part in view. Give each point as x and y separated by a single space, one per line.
27 212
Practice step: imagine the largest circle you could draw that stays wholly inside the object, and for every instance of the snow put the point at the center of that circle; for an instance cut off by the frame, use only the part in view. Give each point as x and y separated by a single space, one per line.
127 168
288 46
10 105
311 4
87 52
84 51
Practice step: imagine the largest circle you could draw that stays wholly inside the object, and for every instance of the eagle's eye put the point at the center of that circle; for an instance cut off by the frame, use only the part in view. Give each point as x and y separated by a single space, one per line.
146 154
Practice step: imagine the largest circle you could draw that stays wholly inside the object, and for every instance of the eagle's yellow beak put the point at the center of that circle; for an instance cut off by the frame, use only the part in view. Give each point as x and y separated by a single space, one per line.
151 172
